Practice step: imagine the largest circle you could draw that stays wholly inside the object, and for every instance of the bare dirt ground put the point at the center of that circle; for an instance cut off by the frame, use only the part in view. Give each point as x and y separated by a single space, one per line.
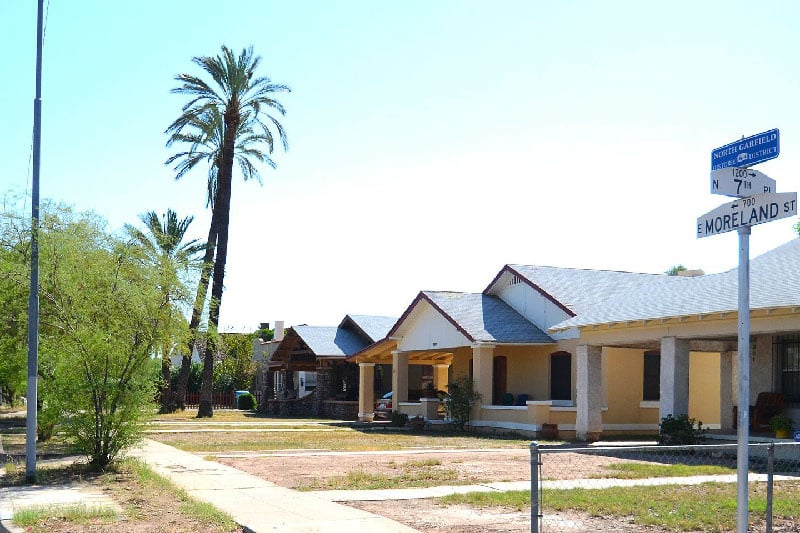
304 469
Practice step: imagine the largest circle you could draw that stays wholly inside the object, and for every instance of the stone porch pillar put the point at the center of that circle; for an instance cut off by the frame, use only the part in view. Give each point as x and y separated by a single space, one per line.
482 371
726 391
589 393
399 378
674 377
366 391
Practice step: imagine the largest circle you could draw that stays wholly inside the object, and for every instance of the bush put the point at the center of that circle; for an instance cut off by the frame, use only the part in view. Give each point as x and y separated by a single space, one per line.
398 419
246 402
680 430
459 402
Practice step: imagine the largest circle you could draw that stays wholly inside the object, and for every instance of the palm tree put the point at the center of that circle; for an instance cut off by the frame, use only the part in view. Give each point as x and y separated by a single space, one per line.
227 120
162 244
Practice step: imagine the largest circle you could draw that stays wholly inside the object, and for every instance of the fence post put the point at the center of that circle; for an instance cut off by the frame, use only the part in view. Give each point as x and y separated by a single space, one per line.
770 469
535 487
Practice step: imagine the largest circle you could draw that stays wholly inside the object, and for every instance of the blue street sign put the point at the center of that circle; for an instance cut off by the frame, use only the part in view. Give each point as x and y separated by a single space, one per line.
747 152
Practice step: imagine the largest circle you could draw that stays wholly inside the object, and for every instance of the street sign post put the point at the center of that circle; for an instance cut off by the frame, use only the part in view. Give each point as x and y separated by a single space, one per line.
740 182
746 212
747 151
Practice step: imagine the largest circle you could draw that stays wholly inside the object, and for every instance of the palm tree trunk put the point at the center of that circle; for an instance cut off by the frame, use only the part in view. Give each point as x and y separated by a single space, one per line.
197 313
222 211
167 397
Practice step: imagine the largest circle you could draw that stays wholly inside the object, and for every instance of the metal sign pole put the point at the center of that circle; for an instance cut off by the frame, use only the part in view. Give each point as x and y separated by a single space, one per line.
743 434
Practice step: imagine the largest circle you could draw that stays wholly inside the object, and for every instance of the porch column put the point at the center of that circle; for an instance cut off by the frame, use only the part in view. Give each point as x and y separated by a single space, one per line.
674 377
589 394
366 391
726 391
440 379
482 371
399 378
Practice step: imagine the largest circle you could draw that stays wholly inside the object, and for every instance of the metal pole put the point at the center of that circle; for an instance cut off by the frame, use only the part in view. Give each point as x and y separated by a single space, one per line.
33 297
770 472
743 433
534 487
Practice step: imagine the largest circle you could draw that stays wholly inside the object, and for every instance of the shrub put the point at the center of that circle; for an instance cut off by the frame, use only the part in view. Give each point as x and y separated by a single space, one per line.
459 402
246 402
398 419
680 430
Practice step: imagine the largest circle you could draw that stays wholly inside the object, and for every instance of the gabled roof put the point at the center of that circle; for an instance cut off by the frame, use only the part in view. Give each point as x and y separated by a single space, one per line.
329 341
480 318
575 290
374 328
774 283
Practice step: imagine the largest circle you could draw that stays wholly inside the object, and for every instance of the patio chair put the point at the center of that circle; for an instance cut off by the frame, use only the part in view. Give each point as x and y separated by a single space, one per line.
507 399
768 404
522 399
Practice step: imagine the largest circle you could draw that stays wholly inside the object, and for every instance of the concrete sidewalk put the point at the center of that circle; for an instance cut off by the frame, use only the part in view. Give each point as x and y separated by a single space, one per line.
254 503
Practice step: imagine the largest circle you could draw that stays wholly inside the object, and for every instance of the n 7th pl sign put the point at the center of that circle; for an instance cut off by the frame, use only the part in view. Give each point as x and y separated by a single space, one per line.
747 212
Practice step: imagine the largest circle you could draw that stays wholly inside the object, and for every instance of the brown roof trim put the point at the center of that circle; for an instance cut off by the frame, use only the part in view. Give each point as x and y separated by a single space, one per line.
370 348
422 296
531 284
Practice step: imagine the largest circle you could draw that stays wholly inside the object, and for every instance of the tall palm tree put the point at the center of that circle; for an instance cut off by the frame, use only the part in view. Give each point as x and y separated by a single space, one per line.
227 120
162 244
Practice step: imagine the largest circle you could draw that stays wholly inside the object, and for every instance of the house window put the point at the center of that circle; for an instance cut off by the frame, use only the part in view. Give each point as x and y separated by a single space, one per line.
561 376
651 382
787 354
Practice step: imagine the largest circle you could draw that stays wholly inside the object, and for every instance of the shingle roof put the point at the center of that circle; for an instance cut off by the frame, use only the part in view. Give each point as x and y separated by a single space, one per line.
330 340
375 327
486 318
579 290
774 282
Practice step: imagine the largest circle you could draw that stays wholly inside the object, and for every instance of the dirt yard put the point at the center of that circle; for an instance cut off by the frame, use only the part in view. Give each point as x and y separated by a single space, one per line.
304 469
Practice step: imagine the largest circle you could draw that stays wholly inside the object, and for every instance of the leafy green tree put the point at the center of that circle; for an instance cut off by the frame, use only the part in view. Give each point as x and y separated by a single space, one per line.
101 320
162 245
673 270
13 314
238 104
235 369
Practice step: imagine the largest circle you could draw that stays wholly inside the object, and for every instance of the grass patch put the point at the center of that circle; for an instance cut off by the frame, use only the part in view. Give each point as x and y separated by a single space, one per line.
42 517
426 473
705 507
647 470
342 440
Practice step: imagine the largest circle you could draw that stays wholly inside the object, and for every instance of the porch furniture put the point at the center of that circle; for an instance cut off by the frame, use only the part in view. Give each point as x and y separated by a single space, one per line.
522 399
507 399
768 404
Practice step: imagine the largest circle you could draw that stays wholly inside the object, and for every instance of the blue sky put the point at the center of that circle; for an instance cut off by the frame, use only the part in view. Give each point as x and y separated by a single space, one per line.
430 142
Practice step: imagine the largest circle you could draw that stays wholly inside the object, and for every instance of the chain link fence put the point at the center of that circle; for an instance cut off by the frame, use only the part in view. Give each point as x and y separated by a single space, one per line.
662 488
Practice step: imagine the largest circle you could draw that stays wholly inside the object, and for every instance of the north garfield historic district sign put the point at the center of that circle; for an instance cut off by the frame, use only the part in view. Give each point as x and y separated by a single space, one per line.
757 201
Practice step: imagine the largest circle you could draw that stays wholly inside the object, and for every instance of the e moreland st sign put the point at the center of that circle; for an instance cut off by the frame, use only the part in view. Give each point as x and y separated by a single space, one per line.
747 212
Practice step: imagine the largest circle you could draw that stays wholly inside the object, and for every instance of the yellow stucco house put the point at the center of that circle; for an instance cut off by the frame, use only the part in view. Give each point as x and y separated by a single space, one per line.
595 351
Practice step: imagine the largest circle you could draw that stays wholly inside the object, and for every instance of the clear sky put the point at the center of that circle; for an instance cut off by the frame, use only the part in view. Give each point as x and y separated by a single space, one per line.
430 142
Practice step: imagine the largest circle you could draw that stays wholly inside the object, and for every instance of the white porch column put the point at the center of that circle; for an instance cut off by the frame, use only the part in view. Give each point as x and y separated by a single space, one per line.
726 391
366 391
399 378
674 377
589 401
483 370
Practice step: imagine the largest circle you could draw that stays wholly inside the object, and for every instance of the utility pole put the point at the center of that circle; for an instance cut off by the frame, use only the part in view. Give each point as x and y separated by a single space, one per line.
33 297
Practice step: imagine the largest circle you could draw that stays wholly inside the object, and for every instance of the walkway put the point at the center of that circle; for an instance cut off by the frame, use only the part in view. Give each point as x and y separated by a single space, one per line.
258 505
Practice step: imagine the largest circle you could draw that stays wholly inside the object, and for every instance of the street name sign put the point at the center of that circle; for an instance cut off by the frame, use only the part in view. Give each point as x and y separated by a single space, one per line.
748 151
740 182
747 212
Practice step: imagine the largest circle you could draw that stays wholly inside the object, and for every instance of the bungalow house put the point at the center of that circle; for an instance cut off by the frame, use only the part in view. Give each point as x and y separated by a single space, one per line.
596 351
683 336
314 354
